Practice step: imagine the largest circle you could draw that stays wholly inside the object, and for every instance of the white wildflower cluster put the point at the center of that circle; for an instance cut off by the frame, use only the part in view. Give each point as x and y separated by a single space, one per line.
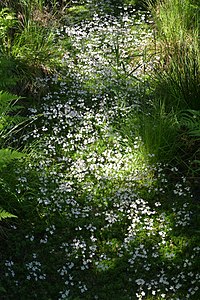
96 198
104 49
34 269
182 215
64 294
30 237
9 265
65 269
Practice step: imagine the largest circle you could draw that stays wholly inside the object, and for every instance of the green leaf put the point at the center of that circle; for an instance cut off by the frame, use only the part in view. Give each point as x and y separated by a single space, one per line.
7 155
4 214
191 119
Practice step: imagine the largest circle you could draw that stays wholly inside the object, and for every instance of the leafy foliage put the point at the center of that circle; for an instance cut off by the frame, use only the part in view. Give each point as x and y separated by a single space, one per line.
177 44
9 114
26 45
8 73
4 214
6 126
8 22
7 155
191 120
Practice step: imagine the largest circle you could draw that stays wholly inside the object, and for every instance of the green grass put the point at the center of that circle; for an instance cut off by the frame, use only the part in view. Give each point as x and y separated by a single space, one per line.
177 31
28 46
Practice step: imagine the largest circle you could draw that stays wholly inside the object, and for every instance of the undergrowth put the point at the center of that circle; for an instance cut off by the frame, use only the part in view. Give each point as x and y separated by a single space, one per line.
105 208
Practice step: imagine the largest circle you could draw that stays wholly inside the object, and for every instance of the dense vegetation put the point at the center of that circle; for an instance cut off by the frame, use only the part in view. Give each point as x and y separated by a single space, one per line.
99 150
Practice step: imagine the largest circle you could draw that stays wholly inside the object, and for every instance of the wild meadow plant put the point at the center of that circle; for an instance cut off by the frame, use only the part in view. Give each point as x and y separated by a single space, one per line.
98 218
177 31
7 125
29 45
177 73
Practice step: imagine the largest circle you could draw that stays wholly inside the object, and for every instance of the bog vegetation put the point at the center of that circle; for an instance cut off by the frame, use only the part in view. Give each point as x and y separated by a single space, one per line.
99 150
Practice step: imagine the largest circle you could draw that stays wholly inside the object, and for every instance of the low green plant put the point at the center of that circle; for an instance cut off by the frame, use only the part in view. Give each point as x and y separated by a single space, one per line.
8 21
4 214
35 44
10 117
177 38
190 135
190 119
157 129
8 73
7 124
28 46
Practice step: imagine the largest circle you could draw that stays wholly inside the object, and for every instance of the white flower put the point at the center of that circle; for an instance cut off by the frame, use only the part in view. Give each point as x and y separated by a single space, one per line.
140 281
